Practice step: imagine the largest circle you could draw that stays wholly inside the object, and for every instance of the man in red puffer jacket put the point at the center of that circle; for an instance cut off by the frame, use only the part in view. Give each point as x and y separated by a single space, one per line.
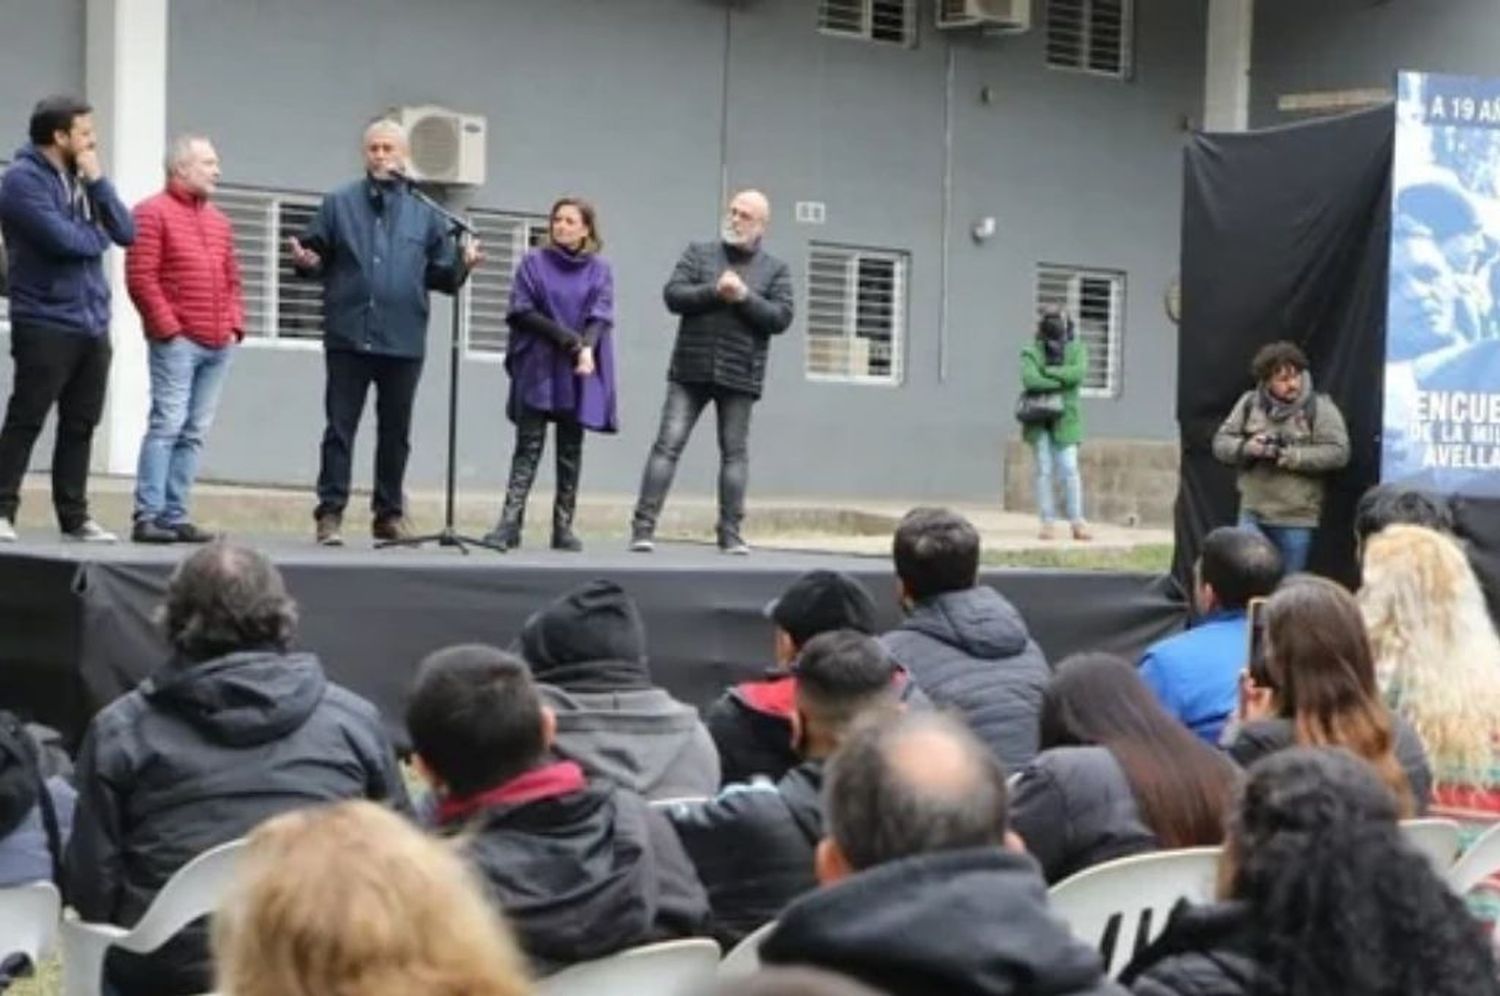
185 282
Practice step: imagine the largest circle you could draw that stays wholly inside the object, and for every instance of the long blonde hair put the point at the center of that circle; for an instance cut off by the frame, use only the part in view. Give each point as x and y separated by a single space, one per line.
1435 646
351 900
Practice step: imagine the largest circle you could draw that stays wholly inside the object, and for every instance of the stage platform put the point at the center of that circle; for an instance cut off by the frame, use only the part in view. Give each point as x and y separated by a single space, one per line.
77 630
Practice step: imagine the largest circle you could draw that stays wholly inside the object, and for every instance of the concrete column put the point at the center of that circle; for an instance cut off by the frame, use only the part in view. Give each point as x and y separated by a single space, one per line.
1226 90
125 73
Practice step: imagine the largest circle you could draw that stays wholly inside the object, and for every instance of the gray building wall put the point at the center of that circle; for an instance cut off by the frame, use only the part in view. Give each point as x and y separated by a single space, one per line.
623 102
1354 44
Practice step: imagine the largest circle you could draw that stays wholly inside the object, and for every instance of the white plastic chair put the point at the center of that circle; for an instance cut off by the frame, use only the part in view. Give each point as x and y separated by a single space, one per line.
28 920
744 958
673 968
196 890
1120 906
1436 839
1478 863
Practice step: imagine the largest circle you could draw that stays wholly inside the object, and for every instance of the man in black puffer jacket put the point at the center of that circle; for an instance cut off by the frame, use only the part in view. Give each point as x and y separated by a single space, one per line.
732 296
234 730
965 646
753 844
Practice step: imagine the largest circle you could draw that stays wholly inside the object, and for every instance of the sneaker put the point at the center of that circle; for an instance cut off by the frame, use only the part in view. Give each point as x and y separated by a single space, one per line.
1047 532
642 543
735 548
392 529
89 531
8 532
329 530
146 531
1081 532
186 532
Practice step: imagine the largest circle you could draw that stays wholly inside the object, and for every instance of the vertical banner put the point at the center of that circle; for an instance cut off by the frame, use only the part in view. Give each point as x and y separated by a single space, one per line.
1441 422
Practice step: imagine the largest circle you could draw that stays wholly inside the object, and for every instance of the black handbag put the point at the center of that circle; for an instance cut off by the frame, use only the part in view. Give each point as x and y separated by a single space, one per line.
1038 407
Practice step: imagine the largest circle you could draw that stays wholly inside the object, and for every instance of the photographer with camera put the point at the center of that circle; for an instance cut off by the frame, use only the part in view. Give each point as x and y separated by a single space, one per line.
1285 438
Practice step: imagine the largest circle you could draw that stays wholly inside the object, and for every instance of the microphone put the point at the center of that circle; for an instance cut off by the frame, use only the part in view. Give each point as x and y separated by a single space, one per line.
400 177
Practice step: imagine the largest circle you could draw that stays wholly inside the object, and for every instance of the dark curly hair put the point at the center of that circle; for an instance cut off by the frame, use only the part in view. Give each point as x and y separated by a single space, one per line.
1275 355
225 599
1338 900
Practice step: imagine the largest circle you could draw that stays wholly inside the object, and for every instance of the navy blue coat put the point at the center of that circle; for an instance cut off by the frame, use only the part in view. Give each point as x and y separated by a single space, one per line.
382 251
55 274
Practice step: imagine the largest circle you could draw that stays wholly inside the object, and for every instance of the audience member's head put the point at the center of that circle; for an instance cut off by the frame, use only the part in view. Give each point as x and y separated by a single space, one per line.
225 599
1280 357
1391 504
476 720
1235 565
842 676
1336 897
818 602
1322 675
795 982
936 551
1181 785
594 623
1436 652
916 783
352 898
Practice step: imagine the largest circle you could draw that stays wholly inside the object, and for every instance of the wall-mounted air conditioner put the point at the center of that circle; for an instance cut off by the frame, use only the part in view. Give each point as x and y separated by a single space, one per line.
446 146
1011 16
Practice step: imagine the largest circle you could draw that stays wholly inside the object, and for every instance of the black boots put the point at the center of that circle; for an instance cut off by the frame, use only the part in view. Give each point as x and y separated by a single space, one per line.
569 466
531 438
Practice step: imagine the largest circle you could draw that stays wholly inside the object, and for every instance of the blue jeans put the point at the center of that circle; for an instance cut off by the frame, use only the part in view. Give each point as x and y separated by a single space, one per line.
679 413
185 383
1294 542
1048 453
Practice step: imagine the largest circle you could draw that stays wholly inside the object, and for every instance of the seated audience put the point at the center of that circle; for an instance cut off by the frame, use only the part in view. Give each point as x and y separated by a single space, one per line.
1322 895
235 728
1394 505
966 647
580 868
352 900
795 982
923 889
1318 689
1196 674
588 651
753 844
752 722
1116 775
36 808
1438 662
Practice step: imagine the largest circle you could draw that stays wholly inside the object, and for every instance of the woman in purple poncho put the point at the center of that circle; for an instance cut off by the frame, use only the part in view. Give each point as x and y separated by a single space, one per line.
561 363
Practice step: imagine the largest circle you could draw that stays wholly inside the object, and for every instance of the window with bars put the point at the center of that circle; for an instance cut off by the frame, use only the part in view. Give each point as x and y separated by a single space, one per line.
279 305
856 314
505 237
893 22
1095 300
1091 36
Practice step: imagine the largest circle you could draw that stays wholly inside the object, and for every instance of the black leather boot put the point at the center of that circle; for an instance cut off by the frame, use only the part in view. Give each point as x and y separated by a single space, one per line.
569 467
531 436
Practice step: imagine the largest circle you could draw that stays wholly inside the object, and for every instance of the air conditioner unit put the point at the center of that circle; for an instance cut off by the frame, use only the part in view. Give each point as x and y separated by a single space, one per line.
1008 16
446 146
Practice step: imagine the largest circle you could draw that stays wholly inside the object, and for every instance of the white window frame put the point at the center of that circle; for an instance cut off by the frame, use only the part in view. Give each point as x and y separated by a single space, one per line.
1048 277
263 302
837 308
832 14
1086 20
505 236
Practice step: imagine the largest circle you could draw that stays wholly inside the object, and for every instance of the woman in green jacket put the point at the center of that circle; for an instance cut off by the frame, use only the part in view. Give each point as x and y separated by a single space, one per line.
1055 362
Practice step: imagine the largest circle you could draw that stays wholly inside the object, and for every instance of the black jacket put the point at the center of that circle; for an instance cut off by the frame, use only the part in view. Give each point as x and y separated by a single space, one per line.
585 874
970 651
753 846
196 756
1204 951
1267 736
1074 808
723 344
959 923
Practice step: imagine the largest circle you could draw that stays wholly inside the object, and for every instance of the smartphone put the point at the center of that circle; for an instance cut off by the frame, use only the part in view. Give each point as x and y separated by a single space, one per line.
1255 663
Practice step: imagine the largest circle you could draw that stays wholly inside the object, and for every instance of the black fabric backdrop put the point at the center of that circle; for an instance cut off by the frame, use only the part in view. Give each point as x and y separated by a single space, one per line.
80 632
1285 235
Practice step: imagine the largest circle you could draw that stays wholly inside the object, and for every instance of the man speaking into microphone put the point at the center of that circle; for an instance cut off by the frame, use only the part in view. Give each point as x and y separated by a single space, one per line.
378 251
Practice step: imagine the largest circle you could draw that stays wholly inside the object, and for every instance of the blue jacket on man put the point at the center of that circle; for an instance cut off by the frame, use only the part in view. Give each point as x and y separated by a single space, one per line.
55 243
382 250
1196 674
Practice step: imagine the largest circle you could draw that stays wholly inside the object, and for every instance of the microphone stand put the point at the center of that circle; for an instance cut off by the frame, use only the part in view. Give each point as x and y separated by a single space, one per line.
459 229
